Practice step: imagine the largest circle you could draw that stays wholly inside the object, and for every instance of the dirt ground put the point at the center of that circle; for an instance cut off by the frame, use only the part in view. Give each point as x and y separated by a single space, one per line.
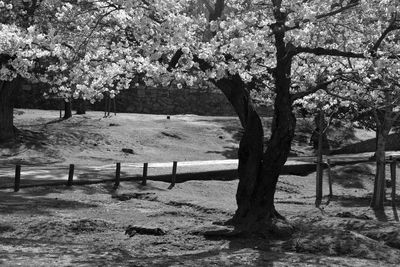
91 225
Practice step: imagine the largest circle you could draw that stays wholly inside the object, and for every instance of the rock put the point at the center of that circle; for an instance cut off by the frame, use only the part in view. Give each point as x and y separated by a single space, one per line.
128 151
145 196
133 230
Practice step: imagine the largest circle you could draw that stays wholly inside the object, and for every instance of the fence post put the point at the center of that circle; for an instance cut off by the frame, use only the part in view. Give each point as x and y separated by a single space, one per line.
328 162
71 174
117 174
144 178
17 177
393 180
173 178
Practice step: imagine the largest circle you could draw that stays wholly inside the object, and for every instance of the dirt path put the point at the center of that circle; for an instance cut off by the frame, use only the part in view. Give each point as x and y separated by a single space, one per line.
85 226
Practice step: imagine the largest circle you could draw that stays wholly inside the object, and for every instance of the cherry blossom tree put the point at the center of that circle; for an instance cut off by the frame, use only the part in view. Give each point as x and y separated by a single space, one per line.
376 91
78 47
281 46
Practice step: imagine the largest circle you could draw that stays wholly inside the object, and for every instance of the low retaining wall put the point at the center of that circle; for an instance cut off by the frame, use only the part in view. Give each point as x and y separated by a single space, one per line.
205 101
392 144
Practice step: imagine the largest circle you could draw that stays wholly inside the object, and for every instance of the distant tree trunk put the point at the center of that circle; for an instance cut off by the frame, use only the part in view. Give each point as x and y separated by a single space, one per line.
6 109
80 106
384 119
107 105
67 110
378 196
319 175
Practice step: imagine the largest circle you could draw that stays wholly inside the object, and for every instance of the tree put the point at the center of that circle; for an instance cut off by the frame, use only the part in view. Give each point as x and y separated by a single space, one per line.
280 45
378 94
14 63
75 46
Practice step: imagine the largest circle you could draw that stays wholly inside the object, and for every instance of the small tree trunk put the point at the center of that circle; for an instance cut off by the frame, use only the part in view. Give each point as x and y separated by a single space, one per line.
6 109
319 174
67 110
80 106
378 196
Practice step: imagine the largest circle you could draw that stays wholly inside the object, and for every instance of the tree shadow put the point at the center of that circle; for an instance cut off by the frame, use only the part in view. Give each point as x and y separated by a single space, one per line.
352 201
17 203
352 176
28 138
229 152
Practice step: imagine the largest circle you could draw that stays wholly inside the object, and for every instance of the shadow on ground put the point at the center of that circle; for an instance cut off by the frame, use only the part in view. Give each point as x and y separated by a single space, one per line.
353 176
21 203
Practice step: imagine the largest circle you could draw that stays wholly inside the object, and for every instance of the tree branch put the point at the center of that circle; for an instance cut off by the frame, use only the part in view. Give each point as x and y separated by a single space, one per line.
364 104
321 86
214 15
329 14
174 60
208 6
320 51
391 27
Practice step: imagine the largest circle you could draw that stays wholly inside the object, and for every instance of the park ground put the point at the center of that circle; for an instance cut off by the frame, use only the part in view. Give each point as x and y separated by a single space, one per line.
87 225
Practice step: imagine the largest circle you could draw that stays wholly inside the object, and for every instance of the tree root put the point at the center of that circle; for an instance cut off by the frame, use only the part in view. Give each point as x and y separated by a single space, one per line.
275 227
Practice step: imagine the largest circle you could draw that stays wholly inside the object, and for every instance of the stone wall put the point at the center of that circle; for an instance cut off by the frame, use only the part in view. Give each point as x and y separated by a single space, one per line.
206 100
392 144
200 101
174 101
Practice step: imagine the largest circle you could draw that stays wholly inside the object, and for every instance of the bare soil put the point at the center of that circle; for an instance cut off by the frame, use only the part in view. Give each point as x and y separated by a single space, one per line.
87 225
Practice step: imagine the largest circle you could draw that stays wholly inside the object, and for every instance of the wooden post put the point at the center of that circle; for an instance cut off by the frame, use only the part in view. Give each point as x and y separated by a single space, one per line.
17 178
173 178
393 180
117 174
71 174
328 163
144 179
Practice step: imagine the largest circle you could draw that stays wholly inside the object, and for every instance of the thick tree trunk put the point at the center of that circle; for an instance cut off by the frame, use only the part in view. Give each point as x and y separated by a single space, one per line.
6 109
67 110
258 171
80 106
250 147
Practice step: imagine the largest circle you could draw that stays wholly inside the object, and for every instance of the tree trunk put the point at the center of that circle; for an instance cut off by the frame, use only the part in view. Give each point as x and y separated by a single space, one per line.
80 106
67 110
258 171
6 109
378 196
319 174
251 144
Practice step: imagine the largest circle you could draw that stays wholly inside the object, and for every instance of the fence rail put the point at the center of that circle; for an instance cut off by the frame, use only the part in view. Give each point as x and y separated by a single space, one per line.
175 177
